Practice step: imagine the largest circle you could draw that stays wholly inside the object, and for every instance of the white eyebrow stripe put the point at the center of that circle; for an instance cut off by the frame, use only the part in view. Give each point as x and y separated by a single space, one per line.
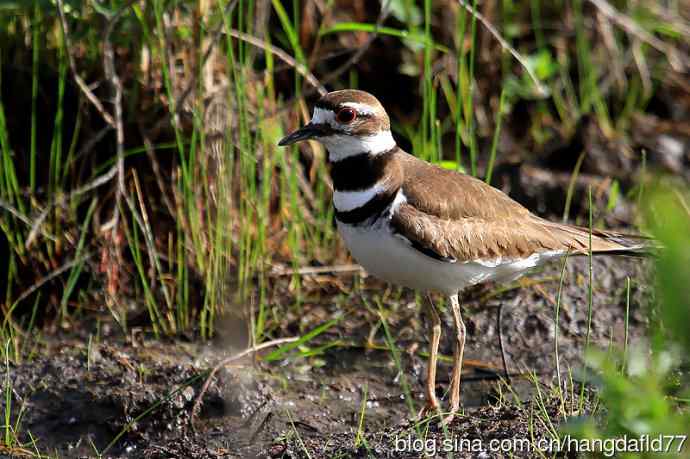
361 108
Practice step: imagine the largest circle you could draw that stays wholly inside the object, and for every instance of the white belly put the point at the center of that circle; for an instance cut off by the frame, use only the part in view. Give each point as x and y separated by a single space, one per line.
391 258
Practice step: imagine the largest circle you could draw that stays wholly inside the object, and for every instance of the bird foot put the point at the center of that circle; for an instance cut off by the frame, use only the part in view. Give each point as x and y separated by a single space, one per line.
430 408
445 422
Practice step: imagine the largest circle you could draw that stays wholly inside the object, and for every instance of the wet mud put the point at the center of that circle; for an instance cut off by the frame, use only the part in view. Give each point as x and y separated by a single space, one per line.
134 396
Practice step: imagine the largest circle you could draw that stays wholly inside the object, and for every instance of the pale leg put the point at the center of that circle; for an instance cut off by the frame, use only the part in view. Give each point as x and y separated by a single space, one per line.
457 360
435 337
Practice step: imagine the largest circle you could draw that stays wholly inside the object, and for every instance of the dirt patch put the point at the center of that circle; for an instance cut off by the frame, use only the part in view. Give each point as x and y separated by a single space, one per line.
73 401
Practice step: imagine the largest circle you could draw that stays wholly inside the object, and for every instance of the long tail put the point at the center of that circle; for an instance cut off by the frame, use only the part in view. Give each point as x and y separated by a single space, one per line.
576 239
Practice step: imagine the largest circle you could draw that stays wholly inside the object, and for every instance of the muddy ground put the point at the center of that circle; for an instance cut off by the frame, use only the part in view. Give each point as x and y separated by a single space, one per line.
75 400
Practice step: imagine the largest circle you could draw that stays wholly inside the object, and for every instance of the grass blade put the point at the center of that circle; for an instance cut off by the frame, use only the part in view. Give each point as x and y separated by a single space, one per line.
278 353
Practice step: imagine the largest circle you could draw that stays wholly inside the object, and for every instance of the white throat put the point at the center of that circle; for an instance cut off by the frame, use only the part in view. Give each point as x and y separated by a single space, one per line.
341 146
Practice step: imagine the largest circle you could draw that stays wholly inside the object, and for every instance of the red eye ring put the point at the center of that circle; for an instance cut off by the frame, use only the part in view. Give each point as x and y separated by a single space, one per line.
346 115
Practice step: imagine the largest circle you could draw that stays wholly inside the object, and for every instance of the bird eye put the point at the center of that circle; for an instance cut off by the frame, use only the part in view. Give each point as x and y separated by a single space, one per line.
346 115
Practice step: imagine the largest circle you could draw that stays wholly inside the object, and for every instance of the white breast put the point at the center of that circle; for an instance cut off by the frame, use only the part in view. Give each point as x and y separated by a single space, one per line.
345 201
390 257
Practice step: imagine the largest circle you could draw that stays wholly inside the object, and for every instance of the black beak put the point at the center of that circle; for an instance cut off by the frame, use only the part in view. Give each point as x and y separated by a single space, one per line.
307 132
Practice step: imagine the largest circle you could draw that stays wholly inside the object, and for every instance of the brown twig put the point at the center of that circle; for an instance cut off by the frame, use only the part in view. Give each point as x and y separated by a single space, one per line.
675 20
617 74
307 92
315 270
216 35
642 67
229 360
383 15
23 218
282 55
107 117
95 183
88 145
114 121
145 225
155 165
179 102
42 281
630 26
116 94
13 451
541 89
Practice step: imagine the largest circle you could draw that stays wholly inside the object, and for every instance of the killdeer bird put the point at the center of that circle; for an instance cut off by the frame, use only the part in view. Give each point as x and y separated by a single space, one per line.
418 225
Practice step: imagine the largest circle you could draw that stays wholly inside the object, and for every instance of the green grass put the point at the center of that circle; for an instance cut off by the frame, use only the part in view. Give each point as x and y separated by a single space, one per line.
556 356
204 246
359 435
590 298
639 389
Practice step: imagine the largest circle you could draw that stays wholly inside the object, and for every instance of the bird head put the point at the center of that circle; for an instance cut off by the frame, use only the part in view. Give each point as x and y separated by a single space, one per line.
348 123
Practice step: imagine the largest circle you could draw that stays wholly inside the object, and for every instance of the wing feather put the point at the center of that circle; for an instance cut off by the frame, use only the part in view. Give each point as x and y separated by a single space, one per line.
454 217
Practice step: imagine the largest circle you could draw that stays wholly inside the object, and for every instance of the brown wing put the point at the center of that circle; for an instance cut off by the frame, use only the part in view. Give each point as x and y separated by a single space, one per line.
451 195
576 239
452 216
470 238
